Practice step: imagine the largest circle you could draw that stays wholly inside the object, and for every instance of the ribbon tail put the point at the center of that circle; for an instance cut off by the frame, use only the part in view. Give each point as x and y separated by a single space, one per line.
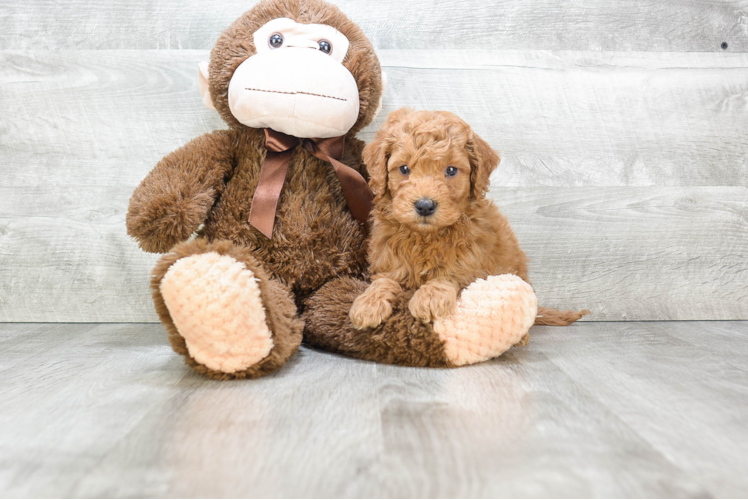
267 193
356 190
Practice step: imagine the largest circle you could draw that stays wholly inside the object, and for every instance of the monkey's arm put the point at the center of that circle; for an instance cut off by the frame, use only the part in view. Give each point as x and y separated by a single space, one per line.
175 197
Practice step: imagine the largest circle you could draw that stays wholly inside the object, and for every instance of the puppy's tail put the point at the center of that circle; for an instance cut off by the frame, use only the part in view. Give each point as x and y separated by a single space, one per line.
554 317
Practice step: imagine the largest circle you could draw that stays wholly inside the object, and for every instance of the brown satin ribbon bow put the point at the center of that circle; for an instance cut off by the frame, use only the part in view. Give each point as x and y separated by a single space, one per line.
280 148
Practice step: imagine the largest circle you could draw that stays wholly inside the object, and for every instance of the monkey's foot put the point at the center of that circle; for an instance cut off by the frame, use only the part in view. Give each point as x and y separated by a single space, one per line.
491 316
216 305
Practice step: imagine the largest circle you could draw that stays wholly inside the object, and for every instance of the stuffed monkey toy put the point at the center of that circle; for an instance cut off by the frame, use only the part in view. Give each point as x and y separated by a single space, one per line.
278 205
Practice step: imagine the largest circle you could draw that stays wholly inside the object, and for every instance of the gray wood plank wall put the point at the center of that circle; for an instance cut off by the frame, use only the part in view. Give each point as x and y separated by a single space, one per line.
622 127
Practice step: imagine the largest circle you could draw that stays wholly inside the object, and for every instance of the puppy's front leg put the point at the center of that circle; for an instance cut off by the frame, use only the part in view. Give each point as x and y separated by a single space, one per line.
374 305
434 300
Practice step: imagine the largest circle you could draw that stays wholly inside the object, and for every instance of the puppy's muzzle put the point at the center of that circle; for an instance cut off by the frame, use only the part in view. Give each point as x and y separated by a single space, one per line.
425 207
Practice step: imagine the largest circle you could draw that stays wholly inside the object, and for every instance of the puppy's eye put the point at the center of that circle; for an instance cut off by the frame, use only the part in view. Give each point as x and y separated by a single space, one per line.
276 40
451 171
404 170
325 46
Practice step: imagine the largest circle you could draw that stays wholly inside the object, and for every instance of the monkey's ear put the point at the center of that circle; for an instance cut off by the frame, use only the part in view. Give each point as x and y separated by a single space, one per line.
483 161
202 84
377 153
381 97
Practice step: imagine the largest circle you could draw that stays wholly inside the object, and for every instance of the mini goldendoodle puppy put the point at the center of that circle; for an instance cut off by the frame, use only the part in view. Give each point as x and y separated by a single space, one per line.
434 230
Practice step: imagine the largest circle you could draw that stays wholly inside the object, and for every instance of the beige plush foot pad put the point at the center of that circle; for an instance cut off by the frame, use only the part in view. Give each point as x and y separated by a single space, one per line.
491 316
216 305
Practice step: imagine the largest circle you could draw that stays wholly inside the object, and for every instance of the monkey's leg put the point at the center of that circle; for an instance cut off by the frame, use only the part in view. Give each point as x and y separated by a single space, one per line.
223 312
401 339
491 316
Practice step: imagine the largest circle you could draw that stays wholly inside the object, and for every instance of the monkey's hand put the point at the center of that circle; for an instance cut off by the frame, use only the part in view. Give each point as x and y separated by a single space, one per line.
374 306
175 197
433 300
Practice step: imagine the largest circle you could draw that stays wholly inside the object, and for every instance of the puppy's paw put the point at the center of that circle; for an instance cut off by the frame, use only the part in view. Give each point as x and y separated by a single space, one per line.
433 301
369 311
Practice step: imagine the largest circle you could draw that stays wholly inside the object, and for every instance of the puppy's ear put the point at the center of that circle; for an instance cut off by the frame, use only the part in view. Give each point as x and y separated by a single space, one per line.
483 161
377 153
375 157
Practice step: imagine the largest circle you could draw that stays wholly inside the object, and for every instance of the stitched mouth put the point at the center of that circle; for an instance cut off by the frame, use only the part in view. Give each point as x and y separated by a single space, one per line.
298 92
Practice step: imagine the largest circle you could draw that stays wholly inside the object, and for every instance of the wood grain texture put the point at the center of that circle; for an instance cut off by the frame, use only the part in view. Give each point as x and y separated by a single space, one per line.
593 410
641 25
559 119
635 253
623 174
588 119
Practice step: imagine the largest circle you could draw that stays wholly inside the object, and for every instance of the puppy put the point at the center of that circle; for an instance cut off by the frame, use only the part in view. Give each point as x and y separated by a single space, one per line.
433 228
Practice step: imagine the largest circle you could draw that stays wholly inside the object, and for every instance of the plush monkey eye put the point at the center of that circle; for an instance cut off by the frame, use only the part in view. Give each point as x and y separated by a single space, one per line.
276 40
404 170
452 171
325 46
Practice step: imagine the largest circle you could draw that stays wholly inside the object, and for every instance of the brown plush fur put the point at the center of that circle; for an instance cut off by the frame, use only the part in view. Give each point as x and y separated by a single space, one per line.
211 181
401 339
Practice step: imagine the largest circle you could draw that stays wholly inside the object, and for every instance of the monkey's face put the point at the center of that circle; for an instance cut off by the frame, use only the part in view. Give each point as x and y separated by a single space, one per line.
297 67
296 83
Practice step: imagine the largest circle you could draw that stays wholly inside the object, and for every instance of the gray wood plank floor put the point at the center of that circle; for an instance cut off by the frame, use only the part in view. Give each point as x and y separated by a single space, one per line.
596 409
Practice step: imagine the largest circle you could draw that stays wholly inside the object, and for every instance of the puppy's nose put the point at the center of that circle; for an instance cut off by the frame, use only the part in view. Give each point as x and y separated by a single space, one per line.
425 207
